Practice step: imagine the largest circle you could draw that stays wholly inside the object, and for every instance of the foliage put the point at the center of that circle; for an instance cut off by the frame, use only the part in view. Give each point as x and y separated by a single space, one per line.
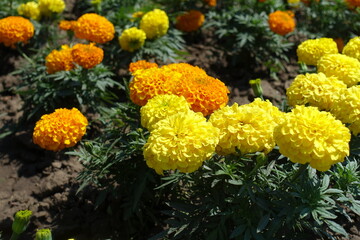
79 88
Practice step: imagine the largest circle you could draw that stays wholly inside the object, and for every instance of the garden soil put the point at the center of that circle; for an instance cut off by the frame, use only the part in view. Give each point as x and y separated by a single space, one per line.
46 182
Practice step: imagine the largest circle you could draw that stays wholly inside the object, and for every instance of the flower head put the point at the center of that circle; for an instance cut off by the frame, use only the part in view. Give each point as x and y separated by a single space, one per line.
132 39
161 107
48 7
345 68
352 48
294 3
150 82
248 128
59 60
21 221
141 64
314 89
154 23
87 55
30 10
308 135
281 22
94 28
15 29
211 3
311 50
43 234
190 21
60 129
138 14
353 3
347 108
182 141
204 93
67 25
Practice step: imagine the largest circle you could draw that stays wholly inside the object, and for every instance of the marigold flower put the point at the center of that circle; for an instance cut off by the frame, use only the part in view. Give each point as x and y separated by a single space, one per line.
248 128
151 82
60 129
294 3
132 39
281 22
59 60
182 141
315 89
190 21
161 107
30 10
94 28
345 68
87 55
311 50
141 64
352 48
66 25
308 135
138 14
51 6
353 3
347 108
155 23
15 29
211 3
204 93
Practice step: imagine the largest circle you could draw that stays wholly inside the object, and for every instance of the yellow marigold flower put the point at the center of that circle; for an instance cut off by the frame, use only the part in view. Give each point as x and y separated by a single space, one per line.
182 141
66 25
282 22
352 48
161 107
211 3
132 39
294 3
87 55
248 128
60 129
353 3
154 23
315 89
95 2
190 21
51 6
347 108
311 50
345 68
308 135
141 64
94 28
148 83
138 14
59 60
15 29
30 10
204 93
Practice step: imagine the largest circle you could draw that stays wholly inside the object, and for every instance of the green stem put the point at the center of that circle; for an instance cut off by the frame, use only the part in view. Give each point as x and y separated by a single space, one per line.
24 55
14 236
299 172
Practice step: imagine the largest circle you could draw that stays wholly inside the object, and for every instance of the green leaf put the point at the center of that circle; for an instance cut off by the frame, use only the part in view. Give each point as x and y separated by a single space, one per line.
336 228
237 231
263 223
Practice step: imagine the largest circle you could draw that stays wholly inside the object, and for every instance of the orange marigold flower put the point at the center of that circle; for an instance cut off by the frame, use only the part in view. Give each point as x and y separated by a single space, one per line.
66 25
190 21
94 27
141 64
211 3
282 22
87 55
59 60
151 82
60 129
204 93
15 29
353 3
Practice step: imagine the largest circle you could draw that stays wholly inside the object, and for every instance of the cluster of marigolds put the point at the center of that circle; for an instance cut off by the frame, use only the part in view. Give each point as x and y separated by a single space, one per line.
186 111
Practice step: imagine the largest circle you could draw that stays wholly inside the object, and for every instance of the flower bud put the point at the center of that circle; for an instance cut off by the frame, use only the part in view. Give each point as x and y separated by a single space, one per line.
256 87
21 221
43 234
